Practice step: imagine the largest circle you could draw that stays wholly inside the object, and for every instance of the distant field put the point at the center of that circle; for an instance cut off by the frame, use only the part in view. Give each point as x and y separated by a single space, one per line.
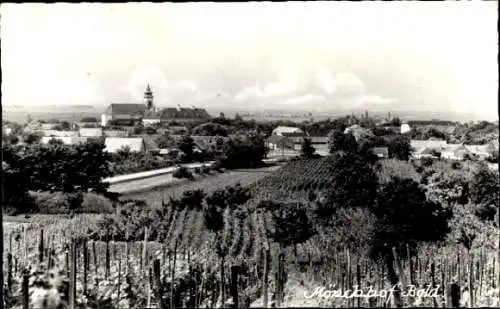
21 116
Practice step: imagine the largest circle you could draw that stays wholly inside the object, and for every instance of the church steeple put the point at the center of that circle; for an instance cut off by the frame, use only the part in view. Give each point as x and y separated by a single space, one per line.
148 98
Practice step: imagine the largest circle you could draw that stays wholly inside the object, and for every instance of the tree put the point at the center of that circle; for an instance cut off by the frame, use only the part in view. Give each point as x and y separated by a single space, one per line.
243 152
165 141
89 119
292 225
395 122
339 141
32 138
404 216
399 147
150 130
186 145
484 191
354 182
210 129
16 198
307 150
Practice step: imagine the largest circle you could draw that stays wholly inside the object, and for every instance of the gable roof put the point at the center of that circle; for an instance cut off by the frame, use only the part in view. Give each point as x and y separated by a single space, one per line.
319 139
418 145
478 149
90 132
113 144
128 109
282 130
60 133
67 140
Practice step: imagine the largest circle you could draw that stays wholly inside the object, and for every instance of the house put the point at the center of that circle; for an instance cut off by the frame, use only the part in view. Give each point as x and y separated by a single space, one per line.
405 128
428 152
123 111
278 142
419 145
58 133
456 152
7 130
288 131
479 151
90 132
67 140
115 133
381 152
48 126
150 121
114 144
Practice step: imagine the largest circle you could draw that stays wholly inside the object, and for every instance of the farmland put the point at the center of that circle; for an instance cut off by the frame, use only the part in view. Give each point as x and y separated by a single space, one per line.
115 254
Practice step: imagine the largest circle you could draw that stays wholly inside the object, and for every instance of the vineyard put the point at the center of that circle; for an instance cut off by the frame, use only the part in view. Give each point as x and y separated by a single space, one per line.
161 254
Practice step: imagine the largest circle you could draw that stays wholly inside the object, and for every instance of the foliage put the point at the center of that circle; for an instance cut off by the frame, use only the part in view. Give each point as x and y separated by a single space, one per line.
230 196
403 216
354 180
16 198
182 172
32 138
186 145
450 188
339 141
243 152
484 187
89 119
165 141
292 225
307 150
150 130
68 168
210 129
399 147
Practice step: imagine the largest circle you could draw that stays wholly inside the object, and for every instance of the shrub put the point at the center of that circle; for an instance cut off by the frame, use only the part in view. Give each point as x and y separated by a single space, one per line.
197 170
93 203
205 169
64 203
183 172
456 165
426 161
419 169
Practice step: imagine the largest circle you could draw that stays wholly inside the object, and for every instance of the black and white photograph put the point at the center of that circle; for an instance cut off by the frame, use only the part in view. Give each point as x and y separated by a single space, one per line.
324 154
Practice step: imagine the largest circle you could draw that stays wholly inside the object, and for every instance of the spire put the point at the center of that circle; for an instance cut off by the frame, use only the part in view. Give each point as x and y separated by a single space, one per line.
148 97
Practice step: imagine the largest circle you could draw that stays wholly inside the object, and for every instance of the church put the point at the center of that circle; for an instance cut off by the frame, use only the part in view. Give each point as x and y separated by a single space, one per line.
147 113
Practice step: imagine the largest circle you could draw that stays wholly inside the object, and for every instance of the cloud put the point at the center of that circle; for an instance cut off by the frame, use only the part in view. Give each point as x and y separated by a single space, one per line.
320 91
342 85
308 99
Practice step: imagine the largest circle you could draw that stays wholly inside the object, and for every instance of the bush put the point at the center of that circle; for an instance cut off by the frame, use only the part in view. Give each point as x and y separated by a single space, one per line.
419 169
426 161
183 172
205 169
197 170
64 203
456 165
93 203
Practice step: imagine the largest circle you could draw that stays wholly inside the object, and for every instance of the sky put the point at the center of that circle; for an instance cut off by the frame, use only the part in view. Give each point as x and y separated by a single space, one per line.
318 56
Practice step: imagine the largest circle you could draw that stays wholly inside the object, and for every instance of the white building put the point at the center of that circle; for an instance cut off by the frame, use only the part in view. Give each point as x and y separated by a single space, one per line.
90 132
114 144
67 140
405 128
287 131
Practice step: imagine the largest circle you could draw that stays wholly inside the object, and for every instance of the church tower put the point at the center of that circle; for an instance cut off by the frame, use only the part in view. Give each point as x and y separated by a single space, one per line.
148 98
